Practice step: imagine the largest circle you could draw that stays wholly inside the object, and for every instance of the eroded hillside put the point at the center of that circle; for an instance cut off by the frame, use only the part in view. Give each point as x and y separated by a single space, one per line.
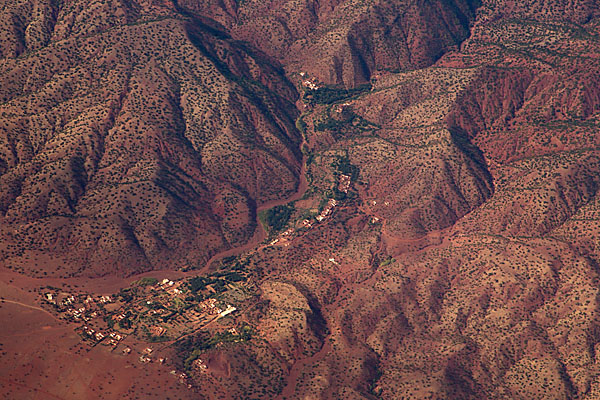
145 140
425 175
346 42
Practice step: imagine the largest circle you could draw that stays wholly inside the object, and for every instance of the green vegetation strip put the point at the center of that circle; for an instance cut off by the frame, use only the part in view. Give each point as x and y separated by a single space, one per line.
330 95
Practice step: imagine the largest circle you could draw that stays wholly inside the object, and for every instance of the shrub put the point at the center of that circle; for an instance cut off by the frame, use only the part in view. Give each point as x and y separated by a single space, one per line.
330 95
278 217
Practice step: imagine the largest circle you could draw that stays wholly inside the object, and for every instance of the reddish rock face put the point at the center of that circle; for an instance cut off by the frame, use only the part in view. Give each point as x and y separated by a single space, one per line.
345 42
136 140
425 175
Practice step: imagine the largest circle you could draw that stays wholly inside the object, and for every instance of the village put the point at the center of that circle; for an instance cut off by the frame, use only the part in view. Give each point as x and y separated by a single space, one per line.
283 239
151 310
152 314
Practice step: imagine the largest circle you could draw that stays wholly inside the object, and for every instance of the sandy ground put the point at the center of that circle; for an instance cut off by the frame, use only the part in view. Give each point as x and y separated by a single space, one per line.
43 357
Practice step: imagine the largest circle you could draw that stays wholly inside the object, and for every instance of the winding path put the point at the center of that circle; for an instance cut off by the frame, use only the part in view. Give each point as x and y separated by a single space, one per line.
259 233
29 306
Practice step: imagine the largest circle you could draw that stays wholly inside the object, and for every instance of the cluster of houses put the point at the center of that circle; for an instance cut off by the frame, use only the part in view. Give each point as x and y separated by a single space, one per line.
341 107
173 288
344 183
328 210
199 365
307 223
209 306
310 83
52 298
85 307
343 186
284 237
77 308
113 338
287 232
182 376
145 356
98 336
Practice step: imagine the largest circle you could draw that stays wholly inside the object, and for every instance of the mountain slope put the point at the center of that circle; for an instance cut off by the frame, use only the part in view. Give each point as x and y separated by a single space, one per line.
442 240
146 140
346 42
462 263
